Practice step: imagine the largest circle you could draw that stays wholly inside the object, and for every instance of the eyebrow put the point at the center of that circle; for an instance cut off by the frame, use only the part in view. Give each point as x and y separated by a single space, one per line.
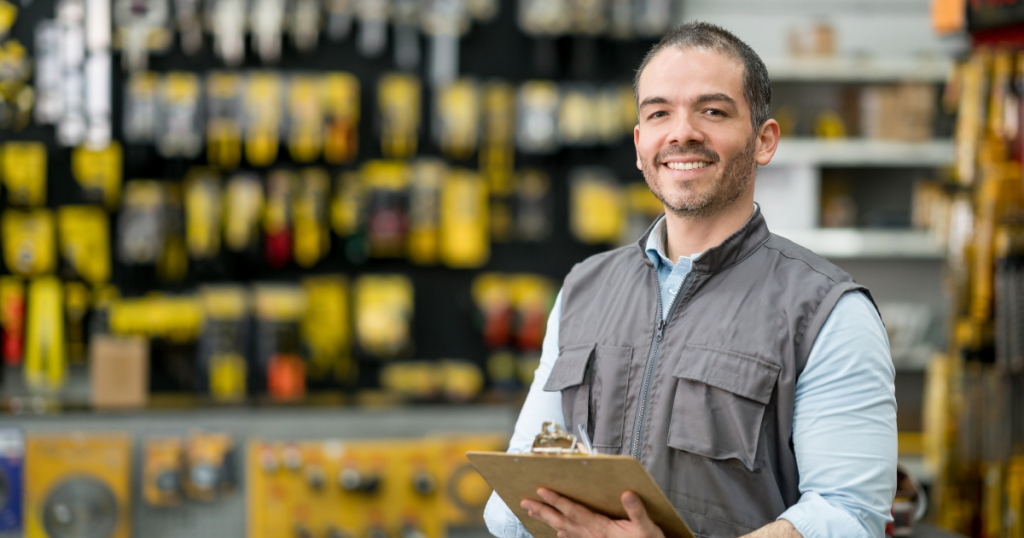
706 98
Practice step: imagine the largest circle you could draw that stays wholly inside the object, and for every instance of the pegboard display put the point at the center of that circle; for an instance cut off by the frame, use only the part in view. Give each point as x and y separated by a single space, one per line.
169 180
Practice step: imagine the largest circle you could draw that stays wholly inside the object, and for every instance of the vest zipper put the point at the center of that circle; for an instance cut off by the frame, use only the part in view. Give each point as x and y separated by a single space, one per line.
652 360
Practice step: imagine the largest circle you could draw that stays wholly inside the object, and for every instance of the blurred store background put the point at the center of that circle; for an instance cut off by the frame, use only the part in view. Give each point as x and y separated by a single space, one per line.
268 268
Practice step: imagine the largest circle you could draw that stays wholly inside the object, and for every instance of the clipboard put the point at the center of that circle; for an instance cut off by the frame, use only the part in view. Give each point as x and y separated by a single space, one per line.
596 482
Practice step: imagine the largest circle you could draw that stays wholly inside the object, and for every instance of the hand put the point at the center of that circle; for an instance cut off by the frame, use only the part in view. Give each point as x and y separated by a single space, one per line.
573 520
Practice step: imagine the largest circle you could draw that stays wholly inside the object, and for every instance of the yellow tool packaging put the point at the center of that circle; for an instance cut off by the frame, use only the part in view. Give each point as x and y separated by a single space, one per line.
326 329
465 227
384 310
210 466
84 233
29 242
202 214
312 236
387 222
224 342
243 211
262 118
77 481
596 210
425 211
399 101
162 471
458 123
278 217
99 172
341 103
348 215
305 118
280 366
224 120
23 171
141 228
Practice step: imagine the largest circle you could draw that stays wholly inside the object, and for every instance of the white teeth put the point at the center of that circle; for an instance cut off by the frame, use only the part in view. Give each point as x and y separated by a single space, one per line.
687 166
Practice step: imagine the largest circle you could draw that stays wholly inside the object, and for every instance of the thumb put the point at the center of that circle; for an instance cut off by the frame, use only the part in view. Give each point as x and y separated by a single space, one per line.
635 510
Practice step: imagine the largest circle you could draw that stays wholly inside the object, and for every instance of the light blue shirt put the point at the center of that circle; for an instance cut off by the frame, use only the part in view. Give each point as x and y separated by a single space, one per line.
844 421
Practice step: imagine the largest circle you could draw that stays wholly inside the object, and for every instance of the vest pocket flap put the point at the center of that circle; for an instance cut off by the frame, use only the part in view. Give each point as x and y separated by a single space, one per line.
739 374
570 368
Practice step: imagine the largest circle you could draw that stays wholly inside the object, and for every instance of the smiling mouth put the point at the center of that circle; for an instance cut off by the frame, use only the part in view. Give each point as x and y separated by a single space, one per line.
688 166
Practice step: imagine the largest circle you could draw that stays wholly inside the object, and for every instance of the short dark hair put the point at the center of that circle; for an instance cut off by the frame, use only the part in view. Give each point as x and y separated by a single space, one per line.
757 88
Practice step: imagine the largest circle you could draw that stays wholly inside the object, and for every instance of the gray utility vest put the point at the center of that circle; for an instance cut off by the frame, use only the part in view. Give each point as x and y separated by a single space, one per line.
704 399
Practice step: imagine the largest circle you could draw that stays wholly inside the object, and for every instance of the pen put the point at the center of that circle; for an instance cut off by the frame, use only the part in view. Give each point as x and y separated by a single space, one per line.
586 440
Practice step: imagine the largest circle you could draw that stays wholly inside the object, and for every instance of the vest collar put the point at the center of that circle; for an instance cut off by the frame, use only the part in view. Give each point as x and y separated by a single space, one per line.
733 250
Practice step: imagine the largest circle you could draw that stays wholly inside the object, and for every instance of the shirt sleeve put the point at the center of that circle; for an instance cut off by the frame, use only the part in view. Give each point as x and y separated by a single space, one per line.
540 406
844 427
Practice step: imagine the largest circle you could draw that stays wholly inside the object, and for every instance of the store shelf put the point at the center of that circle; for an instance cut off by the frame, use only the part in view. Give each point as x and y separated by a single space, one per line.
853 243
862 152
857 69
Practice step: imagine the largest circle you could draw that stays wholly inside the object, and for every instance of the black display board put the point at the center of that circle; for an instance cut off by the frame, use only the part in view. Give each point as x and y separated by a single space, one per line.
445 324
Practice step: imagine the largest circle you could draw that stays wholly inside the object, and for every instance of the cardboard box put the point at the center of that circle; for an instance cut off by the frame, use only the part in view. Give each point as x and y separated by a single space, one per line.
119 372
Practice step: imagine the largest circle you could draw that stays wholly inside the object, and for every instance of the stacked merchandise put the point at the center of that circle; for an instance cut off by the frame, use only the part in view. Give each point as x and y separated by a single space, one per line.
975 394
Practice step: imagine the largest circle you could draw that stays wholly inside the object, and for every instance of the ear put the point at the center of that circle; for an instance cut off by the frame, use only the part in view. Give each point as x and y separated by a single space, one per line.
636 144
767 142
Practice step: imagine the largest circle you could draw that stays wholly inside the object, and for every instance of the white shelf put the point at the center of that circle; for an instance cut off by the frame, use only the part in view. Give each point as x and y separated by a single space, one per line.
842 243
862 152
858 69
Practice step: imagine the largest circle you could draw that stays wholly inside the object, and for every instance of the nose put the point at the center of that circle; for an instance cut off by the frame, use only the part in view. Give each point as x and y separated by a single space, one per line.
685 131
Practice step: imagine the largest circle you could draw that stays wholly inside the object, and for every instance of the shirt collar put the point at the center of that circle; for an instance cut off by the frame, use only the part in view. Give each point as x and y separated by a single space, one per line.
656 248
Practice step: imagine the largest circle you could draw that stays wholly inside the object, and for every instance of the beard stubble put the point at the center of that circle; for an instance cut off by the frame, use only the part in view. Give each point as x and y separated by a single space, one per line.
725 189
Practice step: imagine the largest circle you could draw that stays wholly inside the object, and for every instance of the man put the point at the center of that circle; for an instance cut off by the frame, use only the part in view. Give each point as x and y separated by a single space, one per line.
750 377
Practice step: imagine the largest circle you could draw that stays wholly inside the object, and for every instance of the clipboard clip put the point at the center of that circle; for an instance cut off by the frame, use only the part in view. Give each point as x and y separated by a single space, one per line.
553 440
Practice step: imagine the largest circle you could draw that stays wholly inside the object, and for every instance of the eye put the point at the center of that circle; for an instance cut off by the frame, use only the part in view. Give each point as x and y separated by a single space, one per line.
656 115
715 112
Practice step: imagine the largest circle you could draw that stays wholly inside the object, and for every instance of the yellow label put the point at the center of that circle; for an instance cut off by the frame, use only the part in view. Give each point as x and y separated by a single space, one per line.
28 238
280 302
45 358
224 302
280 191
223 128
85 241
99 172
576 118
465 226
227 377
23 170
399 100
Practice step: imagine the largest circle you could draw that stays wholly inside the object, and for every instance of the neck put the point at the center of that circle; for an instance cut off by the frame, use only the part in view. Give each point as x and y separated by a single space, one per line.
686 235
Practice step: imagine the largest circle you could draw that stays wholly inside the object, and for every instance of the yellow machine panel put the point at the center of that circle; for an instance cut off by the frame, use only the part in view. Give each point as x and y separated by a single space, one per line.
340 489
77 485
465 491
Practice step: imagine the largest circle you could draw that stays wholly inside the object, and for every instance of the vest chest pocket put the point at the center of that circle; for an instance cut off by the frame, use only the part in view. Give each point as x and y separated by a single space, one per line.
593 380
719 403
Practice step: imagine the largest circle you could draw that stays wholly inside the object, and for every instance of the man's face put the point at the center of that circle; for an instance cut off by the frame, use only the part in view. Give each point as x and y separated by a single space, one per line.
694 142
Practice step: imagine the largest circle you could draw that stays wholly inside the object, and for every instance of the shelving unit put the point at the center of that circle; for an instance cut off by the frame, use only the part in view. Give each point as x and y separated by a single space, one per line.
846 243
862 152
858 69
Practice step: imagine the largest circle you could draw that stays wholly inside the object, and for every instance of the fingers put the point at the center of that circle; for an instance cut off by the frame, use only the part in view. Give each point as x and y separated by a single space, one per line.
638 513
545 513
